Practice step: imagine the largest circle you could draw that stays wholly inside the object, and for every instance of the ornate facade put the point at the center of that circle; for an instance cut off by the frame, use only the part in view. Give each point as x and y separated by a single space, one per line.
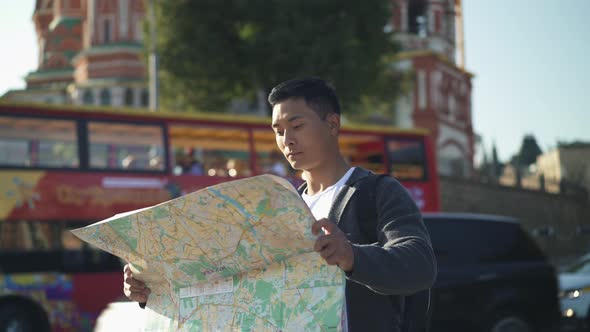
441 96
90 52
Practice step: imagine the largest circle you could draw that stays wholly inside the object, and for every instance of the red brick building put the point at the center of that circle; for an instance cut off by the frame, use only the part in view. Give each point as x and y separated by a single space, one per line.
90 52
441 96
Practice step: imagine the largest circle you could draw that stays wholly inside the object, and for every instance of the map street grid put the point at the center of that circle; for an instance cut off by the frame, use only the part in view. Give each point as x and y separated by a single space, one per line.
232 257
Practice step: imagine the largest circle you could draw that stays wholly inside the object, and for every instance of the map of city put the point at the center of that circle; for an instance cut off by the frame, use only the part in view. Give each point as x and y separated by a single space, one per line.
235 256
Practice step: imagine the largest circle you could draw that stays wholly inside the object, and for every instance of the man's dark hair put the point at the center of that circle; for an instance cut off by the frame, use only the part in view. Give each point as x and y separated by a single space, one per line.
318 94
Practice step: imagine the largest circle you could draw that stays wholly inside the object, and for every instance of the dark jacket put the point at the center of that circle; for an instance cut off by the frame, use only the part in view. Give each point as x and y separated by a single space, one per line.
401 263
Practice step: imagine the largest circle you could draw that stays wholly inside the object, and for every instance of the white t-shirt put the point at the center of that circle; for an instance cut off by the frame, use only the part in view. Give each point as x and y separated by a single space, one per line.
320 205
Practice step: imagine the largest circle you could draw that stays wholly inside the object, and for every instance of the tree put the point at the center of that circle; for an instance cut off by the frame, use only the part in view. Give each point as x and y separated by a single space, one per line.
529 150
496 167
484 168
216 51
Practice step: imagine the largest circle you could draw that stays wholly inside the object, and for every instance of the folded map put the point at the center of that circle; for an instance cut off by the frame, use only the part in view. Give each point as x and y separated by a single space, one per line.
236 256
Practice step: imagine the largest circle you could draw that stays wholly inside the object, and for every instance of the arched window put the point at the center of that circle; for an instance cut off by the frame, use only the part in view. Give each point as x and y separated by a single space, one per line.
145 98
129 97
105 97
106 34
417 17
88 97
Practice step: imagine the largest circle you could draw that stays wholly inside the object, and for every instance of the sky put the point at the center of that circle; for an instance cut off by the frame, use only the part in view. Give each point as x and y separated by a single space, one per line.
530 60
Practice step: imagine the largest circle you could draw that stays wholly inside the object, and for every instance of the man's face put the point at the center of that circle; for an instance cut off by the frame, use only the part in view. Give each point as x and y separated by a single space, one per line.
302 136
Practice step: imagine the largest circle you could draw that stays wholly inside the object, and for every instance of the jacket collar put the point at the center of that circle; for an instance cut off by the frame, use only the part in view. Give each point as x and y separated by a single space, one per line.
358 174
343 197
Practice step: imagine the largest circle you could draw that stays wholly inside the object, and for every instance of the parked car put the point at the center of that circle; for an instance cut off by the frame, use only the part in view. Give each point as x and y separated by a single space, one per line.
574 295
492 277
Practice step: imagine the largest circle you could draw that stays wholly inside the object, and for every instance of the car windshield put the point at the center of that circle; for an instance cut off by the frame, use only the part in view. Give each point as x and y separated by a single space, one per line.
580 267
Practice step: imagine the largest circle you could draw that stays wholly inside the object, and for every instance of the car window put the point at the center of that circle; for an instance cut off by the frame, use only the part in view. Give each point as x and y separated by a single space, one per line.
581 267
475 241
465 242
525 248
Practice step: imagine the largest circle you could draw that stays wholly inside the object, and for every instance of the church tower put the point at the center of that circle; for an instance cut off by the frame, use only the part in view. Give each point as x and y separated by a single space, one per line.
90 53
58 25
110 69
430 32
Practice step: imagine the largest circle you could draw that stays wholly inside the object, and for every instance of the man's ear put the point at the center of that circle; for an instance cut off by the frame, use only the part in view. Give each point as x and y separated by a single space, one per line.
333 120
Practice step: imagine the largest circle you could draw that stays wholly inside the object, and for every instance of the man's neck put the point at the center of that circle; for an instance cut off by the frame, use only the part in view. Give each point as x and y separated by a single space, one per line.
320 178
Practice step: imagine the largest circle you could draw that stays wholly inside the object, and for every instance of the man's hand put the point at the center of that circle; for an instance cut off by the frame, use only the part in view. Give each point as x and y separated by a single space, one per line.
333 245
134 289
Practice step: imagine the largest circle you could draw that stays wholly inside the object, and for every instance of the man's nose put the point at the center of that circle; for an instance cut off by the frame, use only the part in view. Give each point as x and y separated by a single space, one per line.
288 138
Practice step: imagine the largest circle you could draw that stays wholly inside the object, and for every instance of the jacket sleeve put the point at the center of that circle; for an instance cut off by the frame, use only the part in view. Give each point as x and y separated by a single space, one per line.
403 261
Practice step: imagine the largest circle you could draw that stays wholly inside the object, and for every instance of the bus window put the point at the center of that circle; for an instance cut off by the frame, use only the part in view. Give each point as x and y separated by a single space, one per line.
33 142
78 256
27 236
126 146
28 246
269 159
406 158
363 150
212 151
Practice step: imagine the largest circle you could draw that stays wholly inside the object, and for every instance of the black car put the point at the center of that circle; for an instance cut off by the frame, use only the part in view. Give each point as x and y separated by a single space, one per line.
492 276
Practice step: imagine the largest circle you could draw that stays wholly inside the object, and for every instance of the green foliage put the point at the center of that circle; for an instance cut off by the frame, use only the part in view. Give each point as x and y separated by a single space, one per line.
214 51
529 150
573 144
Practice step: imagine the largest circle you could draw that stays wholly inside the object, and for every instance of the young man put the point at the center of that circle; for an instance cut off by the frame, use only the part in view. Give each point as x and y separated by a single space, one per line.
306 122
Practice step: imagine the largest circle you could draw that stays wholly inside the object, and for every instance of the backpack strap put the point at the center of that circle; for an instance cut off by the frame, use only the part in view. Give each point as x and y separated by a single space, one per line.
366 190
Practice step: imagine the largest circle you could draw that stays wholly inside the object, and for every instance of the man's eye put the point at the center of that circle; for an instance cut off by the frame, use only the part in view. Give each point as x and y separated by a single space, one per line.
299 126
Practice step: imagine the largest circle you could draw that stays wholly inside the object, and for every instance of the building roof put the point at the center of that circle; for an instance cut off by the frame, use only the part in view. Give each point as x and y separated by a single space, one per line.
574 145
45 74
423 53
68 22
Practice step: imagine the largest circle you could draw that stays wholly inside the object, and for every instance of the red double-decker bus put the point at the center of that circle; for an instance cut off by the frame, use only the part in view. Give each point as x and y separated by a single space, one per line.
65 167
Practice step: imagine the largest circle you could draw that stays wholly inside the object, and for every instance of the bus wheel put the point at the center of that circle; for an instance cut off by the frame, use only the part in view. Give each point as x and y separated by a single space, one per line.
21 318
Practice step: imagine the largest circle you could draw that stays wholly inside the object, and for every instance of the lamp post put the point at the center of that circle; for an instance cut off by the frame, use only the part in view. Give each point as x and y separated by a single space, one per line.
153 59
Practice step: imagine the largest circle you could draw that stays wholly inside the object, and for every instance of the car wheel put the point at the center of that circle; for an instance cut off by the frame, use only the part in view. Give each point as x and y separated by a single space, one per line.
509 323
20 318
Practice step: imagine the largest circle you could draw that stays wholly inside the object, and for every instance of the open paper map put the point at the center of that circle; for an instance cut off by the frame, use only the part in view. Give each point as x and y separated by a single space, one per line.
232 257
